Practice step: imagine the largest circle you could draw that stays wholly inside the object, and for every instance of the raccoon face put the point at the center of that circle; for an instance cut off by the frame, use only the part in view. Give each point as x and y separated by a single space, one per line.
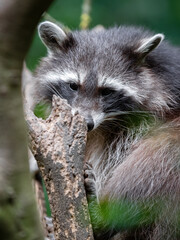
98 78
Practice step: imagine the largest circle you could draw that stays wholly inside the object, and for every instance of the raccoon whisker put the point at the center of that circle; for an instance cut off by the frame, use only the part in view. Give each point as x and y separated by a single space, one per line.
109 125
53 89
130 113
129 122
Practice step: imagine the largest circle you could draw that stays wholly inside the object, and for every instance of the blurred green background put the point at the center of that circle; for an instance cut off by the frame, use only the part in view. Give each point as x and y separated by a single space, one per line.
158 15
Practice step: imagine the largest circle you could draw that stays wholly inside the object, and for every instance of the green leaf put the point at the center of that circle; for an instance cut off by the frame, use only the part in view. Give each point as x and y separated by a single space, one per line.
42 110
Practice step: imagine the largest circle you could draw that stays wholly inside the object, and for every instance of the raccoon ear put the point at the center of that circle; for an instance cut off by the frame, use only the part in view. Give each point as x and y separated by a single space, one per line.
51 35
148 44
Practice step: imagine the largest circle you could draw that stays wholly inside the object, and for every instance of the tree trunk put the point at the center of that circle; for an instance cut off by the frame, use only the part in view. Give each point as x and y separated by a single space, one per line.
18 217
58 143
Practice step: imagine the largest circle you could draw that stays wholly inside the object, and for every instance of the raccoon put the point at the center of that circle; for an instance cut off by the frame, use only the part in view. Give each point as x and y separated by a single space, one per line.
125 82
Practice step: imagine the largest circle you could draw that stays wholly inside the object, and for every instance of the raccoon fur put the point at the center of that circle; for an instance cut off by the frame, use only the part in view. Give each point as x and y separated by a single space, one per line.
125 82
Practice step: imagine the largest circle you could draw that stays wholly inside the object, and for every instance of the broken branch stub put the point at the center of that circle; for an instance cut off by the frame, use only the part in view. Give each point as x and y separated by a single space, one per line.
58 144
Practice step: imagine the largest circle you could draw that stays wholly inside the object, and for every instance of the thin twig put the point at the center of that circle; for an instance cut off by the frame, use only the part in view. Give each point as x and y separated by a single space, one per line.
85 16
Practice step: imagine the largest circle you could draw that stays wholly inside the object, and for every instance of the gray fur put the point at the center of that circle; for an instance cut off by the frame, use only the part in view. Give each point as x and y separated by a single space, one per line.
126 83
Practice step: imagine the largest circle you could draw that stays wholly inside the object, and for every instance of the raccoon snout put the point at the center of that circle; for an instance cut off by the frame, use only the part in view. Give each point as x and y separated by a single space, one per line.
90 124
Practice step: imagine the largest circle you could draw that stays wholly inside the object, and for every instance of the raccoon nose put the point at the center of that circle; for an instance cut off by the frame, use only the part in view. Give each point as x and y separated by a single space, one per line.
90 124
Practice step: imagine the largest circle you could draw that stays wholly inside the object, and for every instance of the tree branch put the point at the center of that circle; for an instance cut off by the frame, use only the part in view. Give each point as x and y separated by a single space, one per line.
85 16
18 20
58 143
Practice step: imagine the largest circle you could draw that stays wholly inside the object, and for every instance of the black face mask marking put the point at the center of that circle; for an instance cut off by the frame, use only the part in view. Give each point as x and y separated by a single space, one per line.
62 89
114 101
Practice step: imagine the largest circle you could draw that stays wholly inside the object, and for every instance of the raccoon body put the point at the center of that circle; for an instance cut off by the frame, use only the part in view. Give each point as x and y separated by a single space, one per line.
126 83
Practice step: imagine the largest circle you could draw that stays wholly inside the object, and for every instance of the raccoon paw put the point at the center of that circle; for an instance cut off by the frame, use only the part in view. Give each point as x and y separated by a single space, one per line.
89 180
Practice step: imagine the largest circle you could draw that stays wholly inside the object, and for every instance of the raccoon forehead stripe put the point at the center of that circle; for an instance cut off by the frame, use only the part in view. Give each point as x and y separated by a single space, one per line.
54 76
66 76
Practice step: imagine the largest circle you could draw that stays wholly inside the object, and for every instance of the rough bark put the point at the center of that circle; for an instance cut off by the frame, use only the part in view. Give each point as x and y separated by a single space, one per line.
18 218
58 143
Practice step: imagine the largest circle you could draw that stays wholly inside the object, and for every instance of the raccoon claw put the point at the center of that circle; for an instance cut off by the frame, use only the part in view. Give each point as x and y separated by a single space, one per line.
88 171
89 180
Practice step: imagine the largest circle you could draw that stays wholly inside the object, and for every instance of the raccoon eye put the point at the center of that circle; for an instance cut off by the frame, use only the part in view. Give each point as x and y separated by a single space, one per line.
74 86
106 91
